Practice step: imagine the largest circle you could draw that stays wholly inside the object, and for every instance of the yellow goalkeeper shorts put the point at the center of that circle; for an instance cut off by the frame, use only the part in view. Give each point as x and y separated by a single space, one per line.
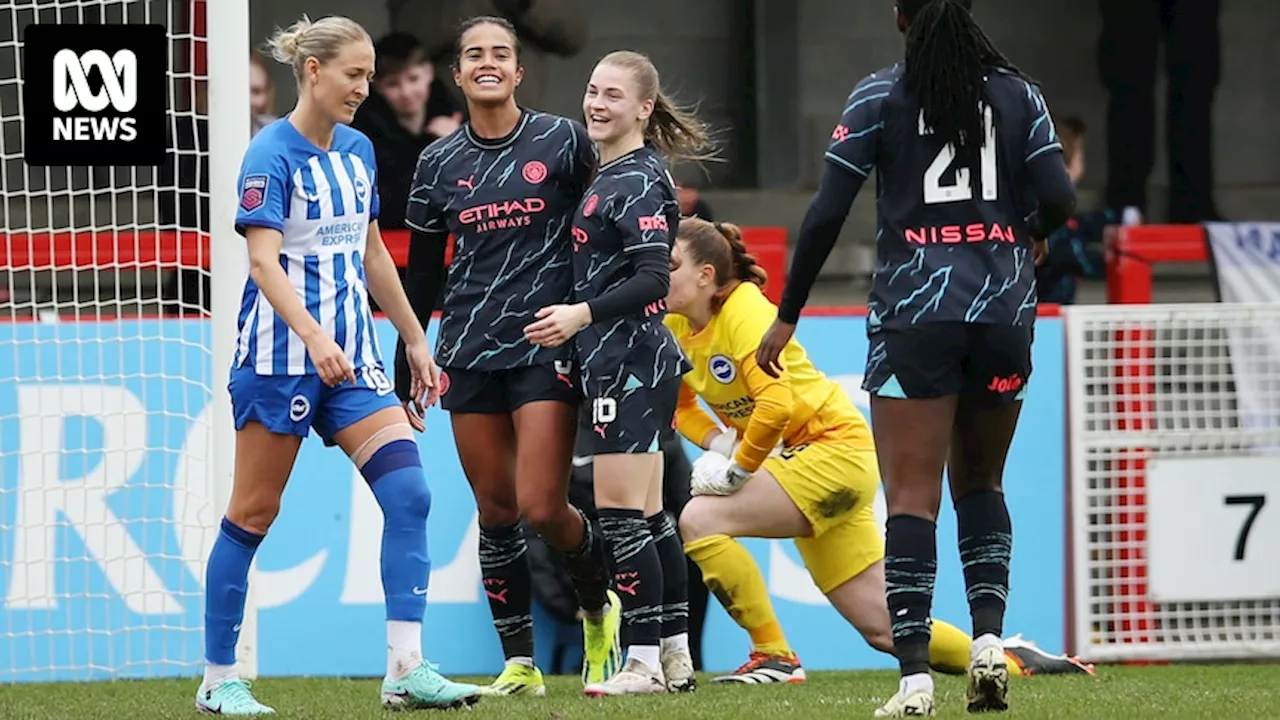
833 483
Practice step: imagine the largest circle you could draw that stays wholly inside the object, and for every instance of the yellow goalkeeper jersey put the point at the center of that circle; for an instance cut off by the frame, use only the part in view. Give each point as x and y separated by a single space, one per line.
801 406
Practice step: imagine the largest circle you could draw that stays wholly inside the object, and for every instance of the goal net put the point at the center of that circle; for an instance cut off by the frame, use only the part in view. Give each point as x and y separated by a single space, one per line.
112 455
1174 433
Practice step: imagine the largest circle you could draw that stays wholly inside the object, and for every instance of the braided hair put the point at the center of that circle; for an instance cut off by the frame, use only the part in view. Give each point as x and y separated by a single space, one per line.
947 61
721 246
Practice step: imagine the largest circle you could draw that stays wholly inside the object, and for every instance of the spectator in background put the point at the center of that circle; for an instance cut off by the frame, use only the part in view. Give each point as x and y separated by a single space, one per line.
1131 33
262 95
544 27
690 181
1075 249
691 202
406 110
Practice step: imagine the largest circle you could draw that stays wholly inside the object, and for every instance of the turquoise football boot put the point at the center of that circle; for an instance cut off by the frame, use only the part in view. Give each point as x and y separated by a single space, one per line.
231 698
424 688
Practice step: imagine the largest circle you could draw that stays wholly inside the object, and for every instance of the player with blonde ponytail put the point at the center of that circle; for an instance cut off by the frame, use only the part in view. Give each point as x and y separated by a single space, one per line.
308 360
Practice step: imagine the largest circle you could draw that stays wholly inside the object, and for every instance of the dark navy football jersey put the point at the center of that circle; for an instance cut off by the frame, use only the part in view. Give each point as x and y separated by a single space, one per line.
630 206
949 247
508 203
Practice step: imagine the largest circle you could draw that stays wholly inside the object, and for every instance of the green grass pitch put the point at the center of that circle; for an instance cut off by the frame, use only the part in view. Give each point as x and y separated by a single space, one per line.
1186 691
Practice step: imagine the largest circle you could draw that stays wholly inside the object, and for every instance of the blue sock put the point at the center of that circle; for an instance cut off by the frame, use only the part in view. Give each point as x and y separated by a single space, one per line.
395 475
226 582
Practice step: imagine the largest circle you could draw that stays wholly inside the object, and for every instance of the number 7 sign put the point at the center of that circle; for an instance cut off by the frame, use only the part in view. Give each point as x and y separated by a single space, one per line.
1255 502
1211 534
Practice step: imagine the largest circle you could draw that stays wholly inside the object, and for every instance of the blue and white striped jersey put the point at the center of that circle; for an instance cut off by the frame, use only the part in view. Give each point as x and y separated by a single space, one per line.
322 203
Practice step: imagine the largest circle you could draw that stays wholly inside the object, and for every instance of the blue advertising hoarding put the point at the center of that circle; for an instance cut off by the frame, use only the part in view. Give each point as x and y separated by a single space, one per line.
105 520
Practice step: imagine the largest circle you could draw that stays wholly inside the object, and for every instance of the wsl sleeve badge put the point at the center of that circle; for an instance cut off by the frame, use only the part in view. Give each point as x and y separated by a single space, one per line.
253 193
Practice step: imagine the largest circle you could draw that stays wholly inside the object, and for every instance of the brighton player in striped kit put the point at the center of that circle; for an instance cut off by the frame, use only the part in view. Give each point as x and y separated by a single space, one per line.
307 357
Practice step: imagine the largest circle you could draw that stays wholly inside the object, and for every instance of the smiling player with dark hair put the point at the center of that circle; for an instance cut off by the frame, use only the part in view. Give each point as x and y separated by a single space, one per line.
505 186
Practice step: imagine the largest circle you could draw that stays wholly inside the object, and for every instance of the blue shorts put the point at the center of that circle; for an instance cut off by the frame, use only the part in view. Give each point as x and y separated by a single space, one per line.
294 404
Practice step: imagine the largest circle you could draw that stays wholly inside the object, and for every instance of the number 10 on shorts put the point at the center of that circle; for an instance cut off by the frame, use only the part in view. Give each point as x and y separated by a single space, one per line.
604 410
1212 528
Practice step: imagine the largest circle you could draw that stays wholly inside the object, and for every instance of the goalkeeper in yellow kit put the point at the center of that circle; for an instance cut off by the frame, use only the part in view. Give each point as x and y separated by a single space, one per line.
818 489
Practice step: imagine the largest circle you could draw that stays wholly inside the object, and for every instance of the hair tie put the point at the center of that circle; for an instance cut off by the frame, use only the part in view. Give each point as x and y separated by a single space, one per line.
719 228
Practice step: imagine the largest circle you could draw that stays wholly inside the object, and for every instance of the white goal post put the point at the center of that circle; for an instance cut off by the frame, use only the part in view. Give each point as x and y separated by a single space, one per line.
1174 481
119 291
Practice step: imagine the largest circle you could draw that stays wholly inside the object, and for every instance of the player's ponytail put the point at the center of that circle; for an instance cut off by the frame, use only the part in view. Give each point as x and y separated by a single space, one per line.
678 132
322 39
721 246
675 130
947 61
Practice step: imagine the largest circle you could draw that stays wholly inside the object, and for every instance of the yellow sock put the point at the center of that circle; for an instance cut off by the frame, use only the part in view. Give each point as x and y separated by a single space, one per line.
949 650
731 574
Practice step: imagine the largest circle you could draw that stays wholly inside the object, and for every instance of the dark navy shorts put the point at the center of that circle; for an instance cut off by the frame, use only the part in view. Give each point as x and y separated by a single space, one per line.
934 360
630 421
503 391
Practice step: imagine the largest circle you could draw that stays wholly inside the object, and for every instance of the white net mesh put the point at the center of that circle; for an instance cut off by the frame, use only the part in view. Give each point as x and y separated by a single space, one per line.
1154 387
105 381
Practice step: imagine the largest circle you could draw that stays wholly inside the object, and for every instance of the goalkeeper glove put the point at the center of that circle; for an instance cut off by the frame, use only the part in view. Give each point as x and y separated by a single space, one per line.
714 474
724 443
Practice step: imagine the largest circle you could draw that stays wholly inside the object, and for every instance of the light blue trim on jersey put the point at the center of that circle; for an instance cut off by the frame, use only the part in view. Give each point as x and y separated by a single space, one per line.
862 133
846 164
1047 148
869 98
1042 125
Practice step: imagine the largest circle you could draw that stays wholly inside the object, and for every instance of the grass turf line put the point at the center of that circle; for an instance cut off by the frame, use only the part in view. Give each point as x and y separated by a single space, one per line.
1118 692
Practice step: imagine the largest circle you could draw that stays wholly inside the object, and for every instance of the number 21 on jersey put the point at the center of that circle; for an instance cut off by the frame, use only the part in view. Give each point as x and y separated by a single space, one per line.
936 192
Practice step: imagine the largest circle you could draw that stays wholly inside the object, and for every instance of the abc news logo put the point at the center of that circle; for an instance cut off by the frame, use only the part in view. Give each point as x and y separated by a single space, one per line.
94 94
71 91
